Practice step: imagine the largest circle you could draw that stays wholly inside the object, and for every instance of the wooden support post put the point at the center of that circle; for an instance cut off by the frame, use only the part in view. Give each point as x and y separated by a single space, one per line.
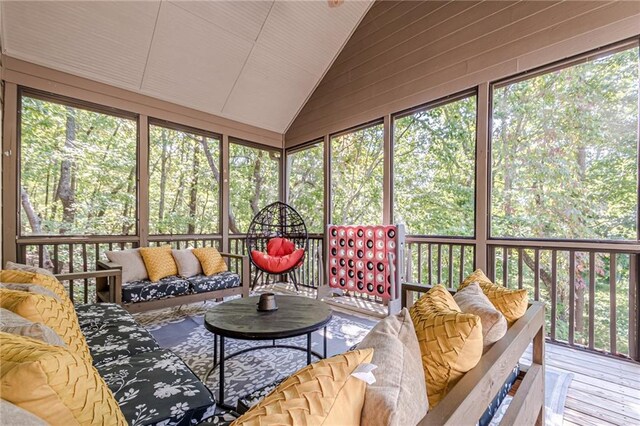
482 177
387 177
143 181
224 194
10 182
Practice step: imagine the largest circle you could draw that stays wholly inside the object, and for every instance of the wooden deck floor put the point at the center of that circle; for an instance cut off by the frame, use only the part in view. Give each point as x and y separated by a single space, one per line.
604 391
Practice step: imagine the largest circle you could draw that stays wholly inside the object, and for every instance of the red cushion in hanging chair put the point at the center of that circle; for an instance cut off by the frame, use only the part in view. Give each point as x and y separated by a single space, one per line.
280 247
277 264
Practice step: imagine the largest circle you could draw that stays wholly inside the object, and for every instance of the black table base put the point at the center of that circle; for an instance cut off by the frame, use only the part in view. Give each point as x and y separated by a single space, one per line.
224 358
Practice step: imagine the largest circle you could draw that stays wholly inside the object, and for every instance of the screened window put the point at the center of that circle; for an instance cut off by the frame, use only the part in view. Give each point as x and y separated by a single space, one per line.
253 183
184 182
564 152
434 169
356 176
77 170
306 185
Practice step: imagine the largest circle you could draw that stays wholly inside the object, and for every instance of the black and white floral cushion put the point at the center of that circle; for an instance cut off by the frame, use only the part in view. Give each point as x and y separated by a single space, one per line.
202 283
112 334
158 388
145 290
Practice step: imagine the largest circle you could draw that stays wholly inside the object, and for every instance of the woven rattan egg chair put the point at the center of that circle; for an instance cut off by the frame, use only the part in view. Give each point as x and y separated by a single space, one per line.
277 241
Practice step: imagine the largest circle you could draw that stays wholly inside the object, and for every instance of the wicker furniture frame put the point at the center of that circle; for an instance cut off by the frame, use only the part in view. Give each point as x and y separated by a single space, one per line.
469 398
276 220
110 291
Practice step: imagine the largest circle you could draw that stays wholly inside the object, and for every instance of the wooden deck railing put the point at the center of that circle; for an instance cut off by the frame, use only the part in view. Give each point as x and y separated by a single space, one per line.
590 291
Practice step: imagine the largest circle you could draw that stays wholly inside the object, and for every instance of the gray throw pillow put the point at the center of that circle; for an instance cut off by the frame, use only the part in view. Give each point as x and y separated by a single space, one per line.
133 268
26 268
12 415
14 324
399 395
30 288
188 263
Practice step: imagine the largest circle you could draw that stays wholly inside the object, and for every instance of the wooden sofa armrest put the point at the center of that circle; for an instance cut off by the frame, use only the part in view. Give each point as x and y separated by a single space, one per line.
470 397
102 276
245 273
109 289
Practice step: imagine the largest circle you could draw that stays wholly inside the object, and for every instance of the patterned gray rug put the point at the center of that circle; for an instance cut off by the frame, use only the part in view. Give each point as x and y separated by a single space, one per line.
182 330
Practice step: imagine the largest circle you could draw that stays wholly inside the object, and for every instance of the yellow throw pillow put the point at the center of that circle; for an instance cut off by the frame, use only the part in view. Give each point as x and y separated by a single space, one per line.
159 262
320 393
50 312
47 281
55 384
211 260
513 303
450 341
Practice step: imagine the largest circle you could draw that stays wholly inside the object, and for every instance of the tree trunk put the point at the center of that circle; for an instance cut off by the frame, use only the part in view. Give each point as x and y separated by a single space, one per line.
65 191
233 226
579 308
126 227
258 181
193 193
36 225
163 179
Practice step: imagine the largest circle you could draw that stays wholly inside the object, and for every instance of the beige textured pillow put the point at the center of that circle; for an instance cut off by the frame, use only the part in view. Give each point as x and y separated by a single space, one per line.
472 300
15 324
188 263
26 268
133 268
399 395
30 288
12 415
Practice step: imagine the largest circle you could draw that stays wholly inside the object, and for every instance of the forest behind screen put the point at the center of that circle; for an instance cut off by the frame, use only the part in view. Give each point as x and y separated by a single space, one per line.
563 163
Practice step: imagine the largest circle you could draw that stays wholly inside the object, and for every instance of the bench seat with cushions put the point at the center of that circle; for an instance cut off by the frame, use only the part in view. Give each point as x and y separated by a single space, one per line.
137 293
151 384
65 356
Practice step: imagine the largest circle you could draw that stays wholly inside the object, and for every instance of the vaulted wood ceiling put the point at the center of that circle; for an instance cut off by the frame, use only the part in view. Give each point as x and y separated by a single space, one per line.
252 61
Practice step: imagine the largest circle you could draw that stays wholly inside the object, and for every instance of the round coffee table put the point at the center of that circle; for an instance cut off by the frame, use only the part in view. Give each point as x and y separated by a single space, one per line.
240 319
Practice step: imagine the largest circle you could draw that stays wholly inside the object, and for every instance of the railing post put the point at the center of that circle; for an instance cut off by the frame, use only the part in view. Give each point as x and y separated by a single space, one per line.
634 304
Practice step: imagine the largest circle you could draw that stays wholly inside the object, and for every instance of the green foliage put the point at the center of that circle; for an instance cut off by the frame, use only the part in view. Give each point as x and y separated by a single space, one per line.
564 152
434 170
253 183
183 182
306 185
356 181
102 158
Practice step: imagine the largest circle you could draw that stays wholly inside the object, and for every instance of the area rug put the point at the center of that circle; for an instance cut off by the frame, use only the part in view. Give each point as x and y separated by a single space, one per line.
556 386
182 330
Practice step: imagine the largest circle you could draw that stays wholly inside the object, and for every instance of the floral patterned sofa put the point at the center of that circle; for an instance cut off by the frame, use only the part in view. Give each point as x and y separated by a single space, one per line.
152 385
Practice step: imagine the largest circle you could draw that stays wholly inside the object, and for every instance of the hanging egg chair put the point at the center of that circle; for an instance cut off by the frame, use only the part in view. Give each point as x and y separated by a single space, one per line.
277 241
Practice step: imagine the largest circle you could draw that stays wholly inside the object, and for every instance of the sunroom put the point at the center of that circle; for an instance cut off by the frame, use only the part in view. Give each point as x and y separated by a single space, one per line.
320 212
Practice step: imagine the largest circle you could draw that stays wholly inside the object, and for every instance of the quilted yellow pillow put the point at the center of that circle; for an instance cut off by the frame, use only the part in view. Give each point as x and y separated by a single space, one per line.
211 260
47 281
450 341
50 312
320 393
55 384
512 303
159 262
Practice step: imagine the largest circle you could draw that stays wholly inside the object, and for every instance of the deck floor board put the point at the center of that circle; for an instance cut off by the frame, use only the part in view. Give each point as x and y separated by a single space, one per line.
604 390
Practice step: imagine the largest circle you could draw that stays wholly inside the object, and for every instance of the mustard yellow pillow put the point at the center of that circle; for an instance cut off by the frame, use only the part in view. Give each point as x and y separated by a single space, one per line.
55 384
320 393
512 303
47 281
450 341
50 312
211 260
159 262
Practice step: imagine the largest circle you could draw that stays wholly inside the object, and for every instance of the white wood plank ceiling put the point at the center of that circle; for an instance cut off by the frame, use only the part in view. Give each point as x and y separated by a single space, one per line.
252 61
